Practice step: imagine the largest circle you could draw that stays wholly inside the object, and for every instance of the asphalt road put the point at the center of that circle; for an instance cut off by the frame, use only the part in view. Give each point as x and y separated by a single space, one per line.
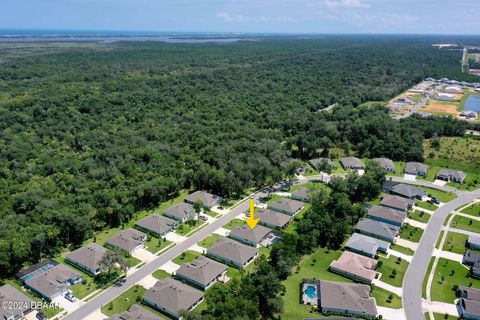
413 281
112 292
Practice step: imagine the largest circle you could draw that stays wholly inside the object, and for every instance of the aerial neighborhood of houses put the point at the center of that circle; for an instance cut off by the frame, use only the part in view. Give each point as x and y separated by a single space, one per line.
363 279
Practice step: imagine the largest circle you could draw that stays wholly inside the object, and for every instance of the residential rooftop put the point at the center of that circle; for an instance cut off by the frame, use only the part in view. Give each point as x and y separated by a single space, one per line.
286 205
318 161
206 198
404 190
88 256
386 213
352 163
385 163
397 202
127 240
416 168
181 211
301 193
137 312
254 236
232 250
272 218
202 270
380 229
157 224
52 281
450 174
356 265
362 243
19 302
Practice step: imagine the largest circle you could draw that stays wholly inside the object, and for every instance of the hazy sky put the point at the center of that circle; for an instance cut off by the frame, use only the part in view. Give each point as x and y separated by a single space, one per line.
295 16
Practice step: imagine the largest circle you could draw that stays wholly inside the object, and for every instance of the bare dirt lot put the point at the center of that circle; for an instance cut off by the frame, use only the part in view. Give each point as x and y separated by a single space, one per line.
441 107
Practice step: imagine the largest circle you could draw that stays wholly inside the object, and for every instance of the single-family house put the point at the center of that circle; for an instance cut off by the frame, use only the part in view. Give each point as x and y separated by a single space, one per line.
451 175
137 312
453 89
51 280
469 303
286 206
366 245
404 190
15 304
385 163
445 97
319 163
473 242
157 225
377 229
232 252
252 237
355 266
128 240
472 259
387 215
397 202
171 296
208 200
339 298
301 194
88 257
202 272
181 212
352 163
416 169
273 219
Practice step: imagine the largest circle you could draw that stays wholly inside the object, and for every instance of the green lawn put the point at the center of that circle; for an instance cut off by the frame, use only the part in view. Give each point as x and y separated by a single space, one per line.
338 167
311 185
155 244
431 173
395 278
377 199
411 233
439 239
234 223
385 298
312 266
186 256
473 209
426 205
472 181
209 241
403 250
455 242
399 169
448 274
445 316
234 273
123 302
442 196
132 261
465 223
186 228
425 280
419 216
161 274
210 213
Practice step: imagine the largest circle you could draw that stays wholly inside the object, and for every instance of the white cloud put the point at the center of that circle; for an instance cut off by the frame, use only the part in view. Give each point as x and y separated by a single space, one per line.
333 4
231 18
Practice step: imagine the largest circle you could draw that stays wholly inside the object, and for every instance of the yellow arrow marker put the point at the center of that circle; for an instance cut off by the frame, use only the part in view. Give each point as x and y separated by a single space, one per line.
251 221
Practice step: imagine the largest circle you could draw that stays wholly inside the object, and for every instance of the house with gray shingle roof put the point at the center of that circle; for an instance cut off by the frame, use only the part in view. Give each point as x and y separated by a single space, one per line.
128 240
15 304
416 169
387 215
377 229
202 272
252 237
171 296
157 225
385 163
451 175
366 245
469 303
319 162
286 206
53 282
137 312
355 266
352 163
472 259
473 242
88 257
208 200
404 190
301 194
397 202
232 252
273 219
181 212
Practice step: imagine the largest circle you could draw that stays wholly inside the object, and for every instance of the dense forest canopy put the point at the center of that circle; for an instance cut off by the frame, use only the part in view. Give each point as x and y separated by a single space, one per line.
88 136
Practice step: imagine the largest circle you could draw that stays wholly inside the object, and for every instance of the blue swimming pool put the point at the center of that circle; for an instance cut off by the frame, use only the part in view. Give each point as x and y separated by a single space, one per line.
311 292
473 103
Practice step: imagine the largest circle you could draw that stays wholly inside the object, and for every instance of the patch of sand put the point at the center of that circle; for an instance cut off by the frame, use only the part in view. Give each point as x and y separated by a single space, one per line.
441 107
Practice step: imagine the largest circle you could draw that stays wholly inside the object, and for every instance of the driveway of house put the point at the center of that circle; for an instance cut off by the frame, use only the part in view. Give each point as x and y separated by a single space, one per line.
391 314
448 255
143 254
222 231
67 305
174 237
379 283
415 223
410 177
148 282
197 248
440 307
170 267
401 255
407 244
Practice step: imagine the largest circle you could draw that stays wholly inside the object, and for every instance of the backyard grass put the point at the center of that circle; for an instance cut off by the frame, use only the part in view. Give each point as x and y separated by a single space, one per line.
338 167
473 209
161 274
442 196
314 266
234 223
186 228
425 205
377 199
438 316
465 223
403 250
311 185
155 244
425 280
419 216
234 273
399 169
455 242
448 274
123 302
186 256
462 153
393 270
209 241
386 298
411 233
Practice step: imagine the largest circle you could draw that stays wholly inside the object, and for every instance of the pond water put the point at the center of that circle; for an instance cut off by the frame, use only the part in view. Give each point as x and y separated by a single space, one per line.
473 103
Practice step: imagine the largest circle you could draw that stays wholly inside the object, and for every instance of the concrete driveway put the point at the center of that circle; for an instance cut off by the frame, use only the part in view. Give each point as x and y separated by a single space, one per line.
143 254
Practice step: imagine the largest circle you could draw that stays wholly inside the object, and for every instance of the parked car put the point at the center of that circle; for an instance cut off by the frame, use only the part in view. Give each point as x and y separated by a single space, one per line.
202 217
434 200
41 316
70 297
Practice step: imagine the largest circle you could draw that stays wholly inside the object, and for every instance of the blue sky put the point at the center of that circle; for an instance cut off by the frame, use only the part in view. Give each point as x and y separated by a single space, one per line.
292 16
